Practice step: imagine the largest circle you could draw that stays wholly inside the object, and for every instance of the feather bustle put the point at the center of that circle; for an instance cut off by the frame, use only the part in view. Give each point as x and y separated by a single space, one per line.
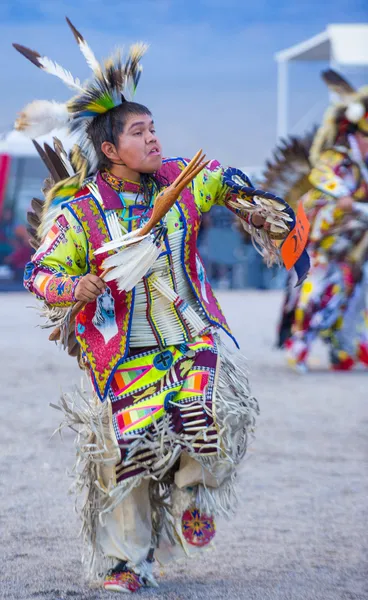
60 151
45 159
56 162
37 206
286 174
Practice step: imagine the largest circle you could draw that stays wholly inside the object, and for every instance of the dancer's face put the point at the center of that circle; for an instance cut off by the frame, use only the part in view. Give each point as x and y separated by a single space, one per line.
138 147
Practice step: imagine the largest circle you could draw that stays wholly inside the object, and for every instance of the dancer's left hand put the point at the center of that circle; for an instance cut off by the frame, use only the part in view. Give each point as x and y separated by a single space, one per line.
259 222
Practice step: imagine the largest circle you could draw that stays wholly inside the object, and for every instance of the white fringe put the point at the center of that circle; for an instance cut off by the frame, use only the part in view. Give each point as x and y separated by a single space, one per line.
274 214
145 571
53 315
221 501
235 412
194 321
235 416
90 419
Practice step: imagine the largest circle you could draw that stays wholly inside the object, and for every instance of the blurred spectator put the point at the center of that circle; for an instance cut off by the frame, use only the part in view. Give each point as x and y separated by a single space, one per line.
6 228
20 252
230 257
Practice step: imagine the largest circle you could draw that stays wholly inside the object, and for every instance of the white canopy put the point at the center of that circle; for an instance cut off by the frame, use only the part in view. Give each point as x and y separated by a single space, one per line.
17 144
344 44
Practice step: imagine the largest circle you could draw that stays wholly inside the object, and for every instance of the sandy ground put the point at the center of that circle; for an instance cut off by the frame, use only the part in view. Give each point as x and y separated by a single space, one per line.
301 528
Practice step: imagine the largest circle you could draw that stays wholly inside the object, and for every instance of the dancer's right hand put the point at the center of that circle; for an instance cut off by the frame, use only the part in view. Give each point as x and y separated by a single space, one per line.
89 288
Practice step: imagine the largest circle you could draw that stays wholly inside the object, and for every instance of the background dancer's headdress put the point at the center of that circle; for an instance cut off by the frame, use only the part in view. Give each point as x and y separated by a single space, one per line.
113 82
348 115
286 173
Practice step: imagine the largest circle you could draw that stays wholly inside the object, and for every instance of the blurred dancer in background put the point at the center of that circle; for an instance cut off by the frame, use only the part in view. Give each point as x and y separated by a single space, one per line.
331 304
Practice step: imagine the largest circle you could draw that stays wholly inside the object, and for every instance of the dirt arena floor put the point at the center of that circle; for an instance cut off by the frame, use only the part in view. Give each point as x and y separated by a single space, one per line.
301 529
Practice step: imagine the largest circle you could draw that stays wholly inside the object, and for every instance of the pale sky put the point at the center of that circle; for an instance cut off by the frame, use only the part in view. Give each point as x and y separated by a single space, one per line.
209 76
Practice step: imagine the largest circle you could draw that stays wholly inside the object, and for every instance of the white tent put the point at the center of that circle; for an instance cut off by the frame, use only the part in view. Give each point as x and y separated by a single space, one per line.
340 45
17 144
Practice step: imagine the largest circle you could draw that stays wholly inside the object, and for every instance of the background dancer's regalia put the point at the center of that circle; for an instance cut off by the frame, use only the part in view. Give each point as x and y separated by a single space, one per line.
287 175
332 303
171 411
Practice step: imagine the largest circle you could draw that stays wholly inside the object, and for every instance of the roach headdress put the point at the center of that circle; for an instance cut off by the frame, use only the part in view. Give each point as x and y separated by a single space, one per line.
113 82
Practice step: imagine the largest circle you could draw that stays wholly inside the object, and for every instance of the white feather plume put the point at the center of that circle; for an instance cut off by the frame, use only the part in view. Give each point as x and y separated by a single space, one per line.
354 112
121 241
130 264
86 50
53 68
88 54
42 116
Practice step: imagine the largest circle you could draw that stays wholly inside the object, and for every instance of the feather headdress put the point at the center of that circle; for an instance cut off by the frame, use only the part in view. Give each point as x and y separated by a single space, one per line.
112 83
351 111
286 173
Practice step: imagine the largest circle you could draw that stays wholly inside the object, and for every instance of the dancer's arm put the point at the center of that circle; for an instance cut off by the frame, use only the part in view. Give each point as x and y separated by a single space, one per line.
60 262
214 187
